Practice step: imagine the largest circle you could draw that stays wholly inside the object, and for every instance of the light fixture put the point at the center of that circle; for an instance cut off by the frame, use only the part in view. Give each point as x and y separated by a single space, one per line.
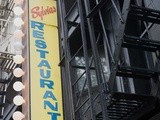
18 22
18 2
18 115
18 86
18 59
18 11
18 34
18 100
18 45
18 72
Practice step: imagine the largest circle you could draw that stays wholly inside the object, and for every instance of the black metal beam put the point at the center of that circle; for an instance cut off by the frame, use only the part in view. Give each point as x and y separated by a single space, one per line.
96 61
86 56
96 8
119 40
145 14
67 94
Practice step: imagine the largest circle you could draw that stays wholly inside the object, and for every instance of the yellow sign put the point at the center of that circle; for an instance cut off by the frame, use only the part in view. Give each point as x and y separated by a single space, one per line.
45 82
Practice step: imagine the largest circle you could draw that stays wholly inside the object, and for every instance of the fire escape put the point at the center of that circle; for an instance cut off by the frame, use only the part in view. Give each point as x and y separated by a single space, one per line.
82 34
6 68
7 64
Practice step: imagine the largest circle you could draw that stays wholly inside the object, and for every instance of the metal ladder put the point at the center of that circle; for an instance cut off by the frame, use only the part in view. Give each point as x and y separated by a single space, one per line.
125 106
122 106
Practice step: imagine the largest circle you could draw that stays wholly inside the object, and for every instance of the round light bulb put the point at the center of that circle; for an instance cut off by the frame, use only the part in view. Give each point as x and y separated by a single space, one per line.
18 115
18 59
18 22
18 45
18 72
18 2
18 34
18 100
18 11
18 86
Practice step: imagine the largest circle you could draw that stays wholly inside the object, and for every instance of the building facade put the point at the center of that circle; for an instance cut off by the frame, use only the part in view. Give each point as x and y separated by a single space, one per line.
7 65
109 59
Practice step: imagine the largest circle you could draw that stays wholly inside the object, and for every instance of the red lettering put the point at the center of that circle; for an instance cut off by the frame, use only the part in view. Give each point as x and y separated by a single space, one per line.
34 12
41 11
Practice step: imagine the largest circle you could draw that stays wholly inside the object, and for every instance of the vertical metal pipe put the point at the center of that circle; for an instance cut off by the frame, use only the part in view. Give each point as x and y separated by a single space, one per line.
97 62
67 85
88 75
91 61
119 41
105 34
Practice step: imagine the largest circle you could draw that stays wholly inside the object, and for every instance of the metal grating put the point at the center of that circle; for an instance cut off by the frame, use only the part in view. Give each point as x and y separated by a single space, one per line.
7 63
129 106
145 14
81 31
141 43
134 72
6 67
